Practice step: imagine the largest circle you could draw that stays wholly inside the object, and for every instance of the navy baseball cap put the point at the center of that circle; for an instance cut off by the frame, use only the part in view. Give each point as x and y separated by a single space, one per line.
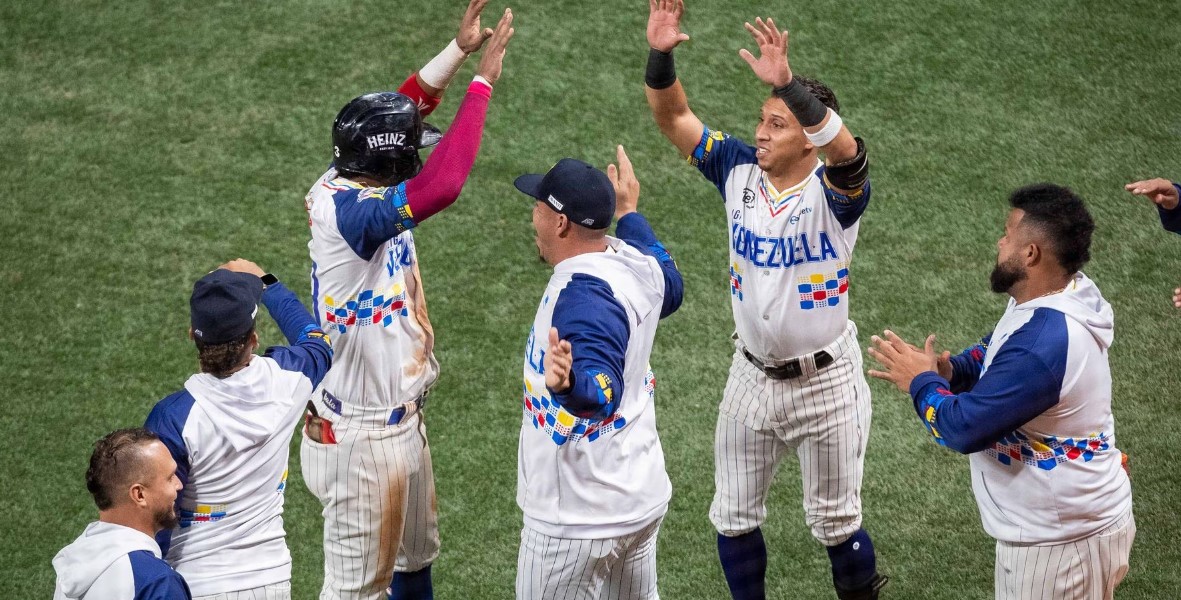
223 306
575 189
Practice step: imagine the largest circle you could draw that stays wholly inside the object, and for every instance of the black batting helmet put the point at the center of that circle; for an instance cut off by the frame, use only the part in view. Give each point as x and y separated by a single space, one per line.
378 135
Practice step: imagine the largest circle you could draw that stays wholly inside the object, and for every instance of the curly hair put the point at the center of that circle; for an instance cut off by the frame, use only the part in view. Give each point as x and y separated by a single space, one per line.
116 461
220 360
821 91
1060 216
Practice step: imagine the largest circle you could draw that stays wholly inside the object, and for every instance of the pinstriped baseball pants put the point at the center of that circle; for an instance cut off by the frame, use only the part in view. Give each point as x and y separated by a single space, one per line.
378 492
622 568
278 591
1086 569
823 416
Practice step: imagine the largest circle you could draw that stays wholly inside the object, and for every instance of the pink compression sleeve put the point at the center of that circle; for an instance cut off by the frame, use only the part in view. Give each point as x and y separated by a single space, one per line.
445 172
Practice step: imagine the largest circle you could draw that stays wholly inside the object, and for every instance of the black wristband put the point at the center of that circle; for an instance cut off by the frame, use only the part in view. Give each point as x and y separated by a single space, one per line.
807 108
661 73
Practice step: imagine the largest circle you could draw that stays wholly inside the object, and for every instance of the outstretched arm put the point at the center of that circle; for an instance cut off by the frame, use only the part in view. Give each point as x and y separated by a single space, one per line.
666 96
426 86
633 228
1166 195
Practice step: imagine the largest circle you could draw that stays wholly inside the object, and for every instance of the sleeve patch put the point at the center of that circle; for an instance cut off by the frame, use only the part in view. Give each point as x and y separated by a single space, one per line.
709 140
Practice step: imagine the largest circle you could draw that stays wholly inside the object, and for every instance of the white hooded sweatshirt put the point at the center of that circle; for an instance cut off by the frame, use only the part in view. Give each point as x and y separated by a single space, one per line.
113 562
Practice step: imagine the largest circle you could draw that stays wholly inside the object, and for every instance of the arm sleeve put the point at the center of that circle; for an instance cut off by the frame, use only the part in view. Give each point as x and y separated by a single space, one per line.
370 217
1171 219
634 229
426 102
1023 380
310 351
589 317
717 154
166 587
847 208
967 366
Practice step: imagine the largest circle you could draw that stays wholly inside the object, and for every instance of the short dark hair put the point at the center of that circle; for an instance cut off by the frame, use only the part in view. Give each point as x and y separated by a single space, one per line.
821 91
220 360
115 462
1059 215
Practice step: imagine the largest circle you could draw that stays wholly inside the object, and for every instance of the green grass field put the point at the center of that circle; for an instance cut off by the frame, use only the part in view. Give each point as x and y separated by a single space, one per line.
146 142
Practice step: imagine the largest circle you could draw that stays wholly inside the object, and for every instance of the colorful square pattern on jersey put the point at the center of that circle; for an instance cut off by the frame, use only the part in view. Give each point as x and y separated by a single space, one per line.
736 280
203 513
365 309
1048 453
562 426
823 290
709 139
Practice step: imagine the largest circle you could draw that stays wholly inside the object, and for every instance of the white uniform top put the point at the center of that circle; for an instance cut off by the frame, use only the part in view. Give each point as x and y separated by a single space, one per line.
113 562
595 478
1043 389
367 294
790 251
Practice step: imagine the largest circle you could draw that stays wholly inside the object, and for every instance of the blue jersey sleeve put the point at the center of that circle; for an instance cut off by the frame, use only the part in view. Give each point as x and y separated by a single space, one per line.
155 580
369 217
167 420
634 229
717 154
1023 381
967 366
589 317
310 351
1171 219
847 208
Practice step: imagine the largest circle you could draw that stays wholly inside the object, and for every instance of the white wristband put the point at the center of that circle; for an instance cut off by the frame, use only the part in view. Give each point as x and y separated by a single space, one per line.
828 133
442 68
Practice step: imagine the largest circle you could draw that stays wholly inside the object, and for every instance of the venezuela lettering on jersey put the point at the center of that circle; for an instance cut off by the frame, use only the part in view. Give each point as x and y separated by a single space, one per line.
779 252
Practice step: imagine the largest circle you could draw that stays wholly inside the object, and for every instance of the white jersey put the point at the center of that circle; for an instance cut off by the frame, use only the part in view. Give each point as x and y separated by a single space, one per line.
790 251
113 562
595 478
367 293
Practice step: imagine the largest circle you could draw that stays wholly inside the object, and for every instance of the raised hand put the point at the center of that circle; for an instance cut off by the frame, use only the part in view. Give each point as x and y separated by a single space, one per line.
771 66
558 361
471 36
493 58
241 265
664 24
902 361
1160 191
627 187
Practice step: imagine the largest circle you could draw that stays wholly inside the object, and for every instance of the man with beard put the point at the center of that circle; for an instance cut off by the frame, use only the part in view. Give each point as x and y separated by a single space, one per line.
1031 405
229 431
133 480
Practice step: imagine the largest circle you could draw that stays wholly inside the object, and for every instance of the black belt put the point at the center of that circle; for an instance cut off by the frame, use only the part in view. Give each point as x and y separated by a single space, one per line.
792 368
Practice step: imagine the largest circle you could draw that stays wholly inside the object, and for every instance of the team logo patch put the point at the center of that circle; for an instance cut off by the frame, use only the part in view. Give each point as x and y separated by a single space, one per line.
202 513
367 308
1049 452
748 197
736 280
823 290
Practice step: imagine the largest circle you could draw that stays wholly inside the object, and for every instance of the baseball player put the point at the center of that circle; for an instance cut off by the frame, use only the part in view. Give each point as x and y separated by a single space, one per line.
134 483
590 469
1031 405
365 452
1167 197
229 431
796 381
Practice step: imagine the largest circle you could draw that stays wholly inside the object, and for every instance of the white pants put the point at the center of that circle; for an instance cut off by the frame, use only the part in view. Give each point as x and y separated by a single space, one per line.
277 591
378 493
622 568
822 415
1086 569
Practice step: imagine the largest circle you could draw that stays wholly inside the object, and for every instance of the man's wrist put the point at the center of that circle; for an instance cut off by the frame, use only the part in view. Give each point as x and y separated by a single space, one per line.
268 280
661 72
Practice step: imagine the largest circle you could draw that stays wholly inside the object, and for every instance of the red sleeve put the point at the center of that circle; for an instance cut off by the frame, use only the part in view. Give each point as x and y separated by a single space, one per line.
426 102
445 172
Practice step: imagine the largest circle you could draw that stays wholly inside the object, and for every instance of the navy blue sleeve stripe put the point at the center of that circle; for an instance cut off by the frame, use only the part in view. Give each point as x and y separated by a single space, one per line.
588 316
310 352
1171 219
1023 380
369 217
848 209
634 229
717 154
154 579
167 420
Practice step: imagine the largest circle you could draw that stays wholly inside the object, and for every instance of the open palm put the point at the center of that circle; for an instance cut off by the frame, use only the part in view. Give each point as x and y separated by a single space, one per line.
664 24
771 66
